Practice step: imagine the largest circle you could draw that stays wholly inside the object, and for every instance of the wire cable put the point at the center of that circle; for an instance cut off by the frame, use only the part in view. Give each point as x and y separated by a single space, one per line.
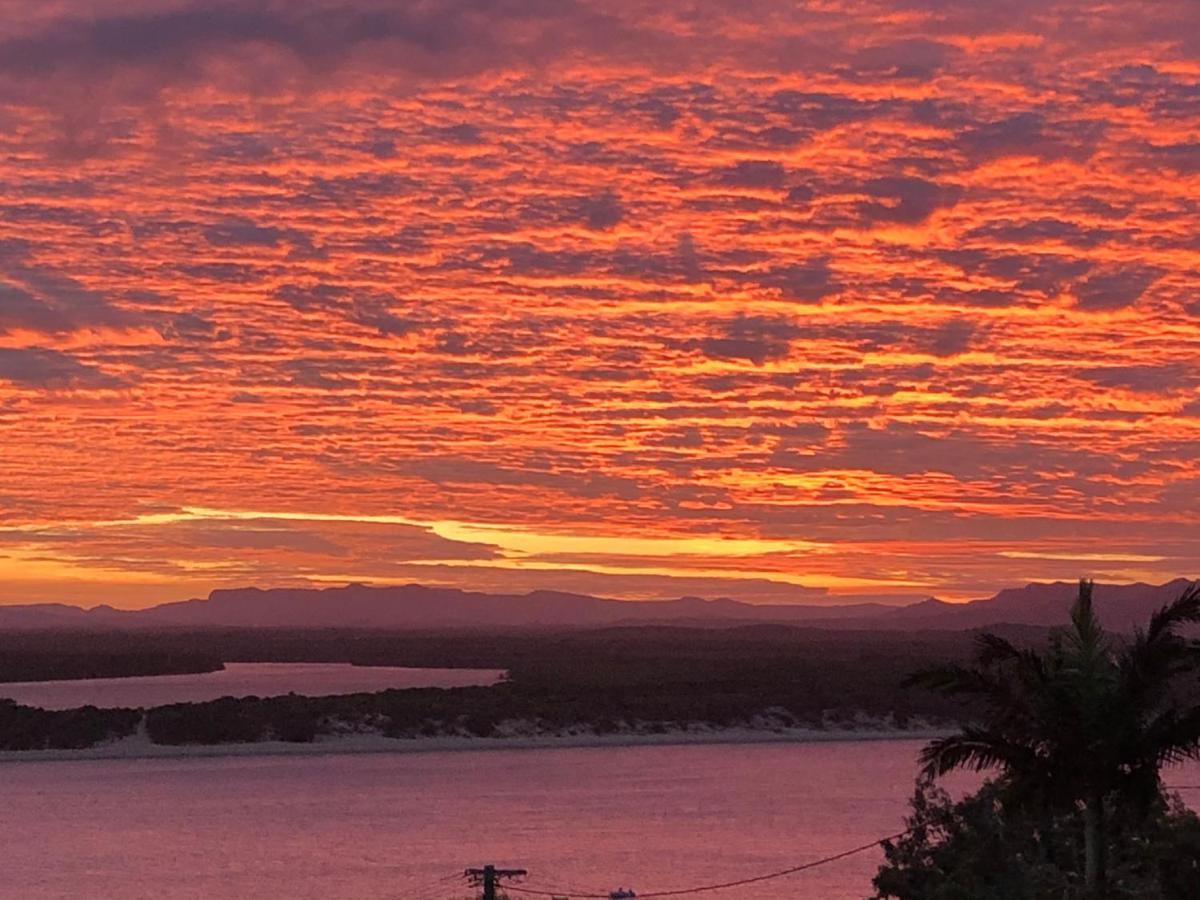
431 890
557 890
679 892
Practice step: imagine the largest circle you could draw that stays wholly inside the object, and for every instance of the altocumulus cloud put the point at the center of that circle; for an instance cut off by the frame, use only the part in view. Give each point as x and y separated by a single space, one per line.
36 367
883 274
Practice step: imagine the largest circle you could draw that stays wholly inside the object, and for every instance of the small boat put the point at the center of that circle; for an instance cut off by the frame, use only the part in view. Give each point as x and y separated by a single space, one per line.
623 894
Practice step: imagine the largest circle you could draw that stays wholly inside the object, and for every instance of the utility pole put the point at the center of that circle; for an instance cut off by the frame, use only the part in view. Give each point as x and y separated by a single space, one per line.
489 875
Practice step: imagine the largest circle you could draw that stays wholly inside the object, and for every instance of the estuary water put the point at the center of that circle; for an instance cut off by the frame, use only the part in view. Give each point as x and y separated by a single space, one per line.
403 826
238 680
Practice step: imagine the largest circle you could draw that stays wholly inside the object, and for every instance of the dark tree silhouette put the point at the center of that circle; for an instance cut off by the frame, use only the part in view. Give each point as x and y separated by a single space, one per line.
1085 725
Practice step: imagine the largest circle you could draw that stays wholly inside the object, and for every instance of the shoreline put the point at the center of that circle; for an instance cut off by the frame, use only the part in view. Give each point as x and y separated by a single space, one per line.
139 746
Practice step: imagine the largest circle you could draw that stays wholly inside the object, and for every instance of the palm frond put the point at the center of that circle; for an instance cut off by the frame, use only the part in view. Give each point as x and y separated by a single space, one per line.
954 679
1173 736
1184 609
1083 611
999 693
976 749
1148 666
991 649
1158 654
1086 639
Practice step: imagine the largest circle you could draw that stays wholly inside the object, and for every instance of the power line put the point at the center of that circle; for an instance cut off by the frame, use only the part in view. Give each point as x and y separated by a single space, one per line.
431 891
559 891
583 895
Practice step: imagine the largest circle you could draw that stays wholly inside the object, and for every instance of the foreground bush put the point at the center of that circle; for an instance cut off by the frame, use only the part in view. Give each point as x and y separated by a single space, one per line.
986 848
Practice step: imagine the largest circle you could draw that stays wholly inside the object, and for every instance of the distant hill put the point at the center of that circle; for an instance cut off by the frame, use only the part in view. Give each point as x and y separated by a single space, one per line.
1120 606
416 607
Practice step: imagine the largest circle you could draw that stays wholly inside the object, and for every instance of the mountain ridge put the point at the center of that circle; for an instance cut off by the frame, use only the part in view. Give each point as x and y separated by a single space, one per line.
416 607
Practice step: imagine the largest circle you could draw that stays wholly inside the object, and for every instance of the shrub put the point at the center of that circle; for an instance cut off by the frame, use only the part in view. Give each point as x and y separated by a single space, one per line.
984 848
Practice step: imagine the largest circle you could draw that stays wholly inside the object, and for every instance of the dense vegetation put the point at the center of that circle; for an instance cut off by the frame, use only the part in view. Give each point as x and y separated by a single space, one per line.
23 728
648 678
38 663
42 651
986 848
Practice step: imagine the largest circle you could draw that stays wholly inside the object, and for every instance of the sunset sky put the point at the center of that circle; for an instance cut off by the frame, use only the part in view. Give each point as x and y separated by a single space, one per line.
778 301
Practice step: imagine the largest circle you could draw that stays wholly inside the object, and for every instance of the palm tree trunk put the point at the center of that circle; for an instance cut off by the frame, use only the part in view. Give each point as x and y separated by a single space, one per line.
1094 879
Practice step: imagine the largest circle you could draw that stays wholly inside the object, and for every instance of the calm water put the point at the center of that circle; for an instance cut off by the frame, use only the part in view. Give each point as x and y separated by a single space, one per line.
238 680
361 827
370 827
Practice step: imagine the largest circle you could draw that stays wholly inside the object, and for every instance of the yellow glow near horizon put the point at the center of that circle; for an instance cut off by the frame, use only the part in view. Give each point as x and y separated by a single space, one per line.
918 311
519 548
1080 557
522 541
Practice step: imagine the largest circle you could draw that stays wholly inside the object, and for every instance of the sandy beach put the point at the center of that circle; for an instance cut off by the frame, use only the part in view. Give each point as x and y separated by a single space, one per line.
140 747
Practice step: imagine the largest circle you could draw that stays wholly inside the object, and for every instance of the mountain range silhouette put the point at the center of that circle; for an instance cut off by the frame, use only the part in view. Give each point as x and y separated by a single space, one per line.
416 607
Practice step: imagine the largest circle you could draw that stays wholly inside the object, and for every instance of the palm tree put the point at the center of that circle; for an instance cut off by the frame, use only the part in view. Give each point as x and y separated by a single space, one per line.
1083 726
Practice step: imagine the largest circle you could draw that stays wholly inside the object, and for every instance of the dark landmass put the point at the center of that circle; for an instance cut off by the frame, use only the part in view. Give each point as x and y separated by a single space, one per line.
27 728
416 607
646 678
652 679
23 657
32 655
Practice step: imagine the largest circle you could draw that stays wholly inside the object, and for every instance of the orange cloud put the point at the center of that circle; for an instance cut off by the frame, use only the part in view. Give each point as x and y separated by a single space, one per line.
614 289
